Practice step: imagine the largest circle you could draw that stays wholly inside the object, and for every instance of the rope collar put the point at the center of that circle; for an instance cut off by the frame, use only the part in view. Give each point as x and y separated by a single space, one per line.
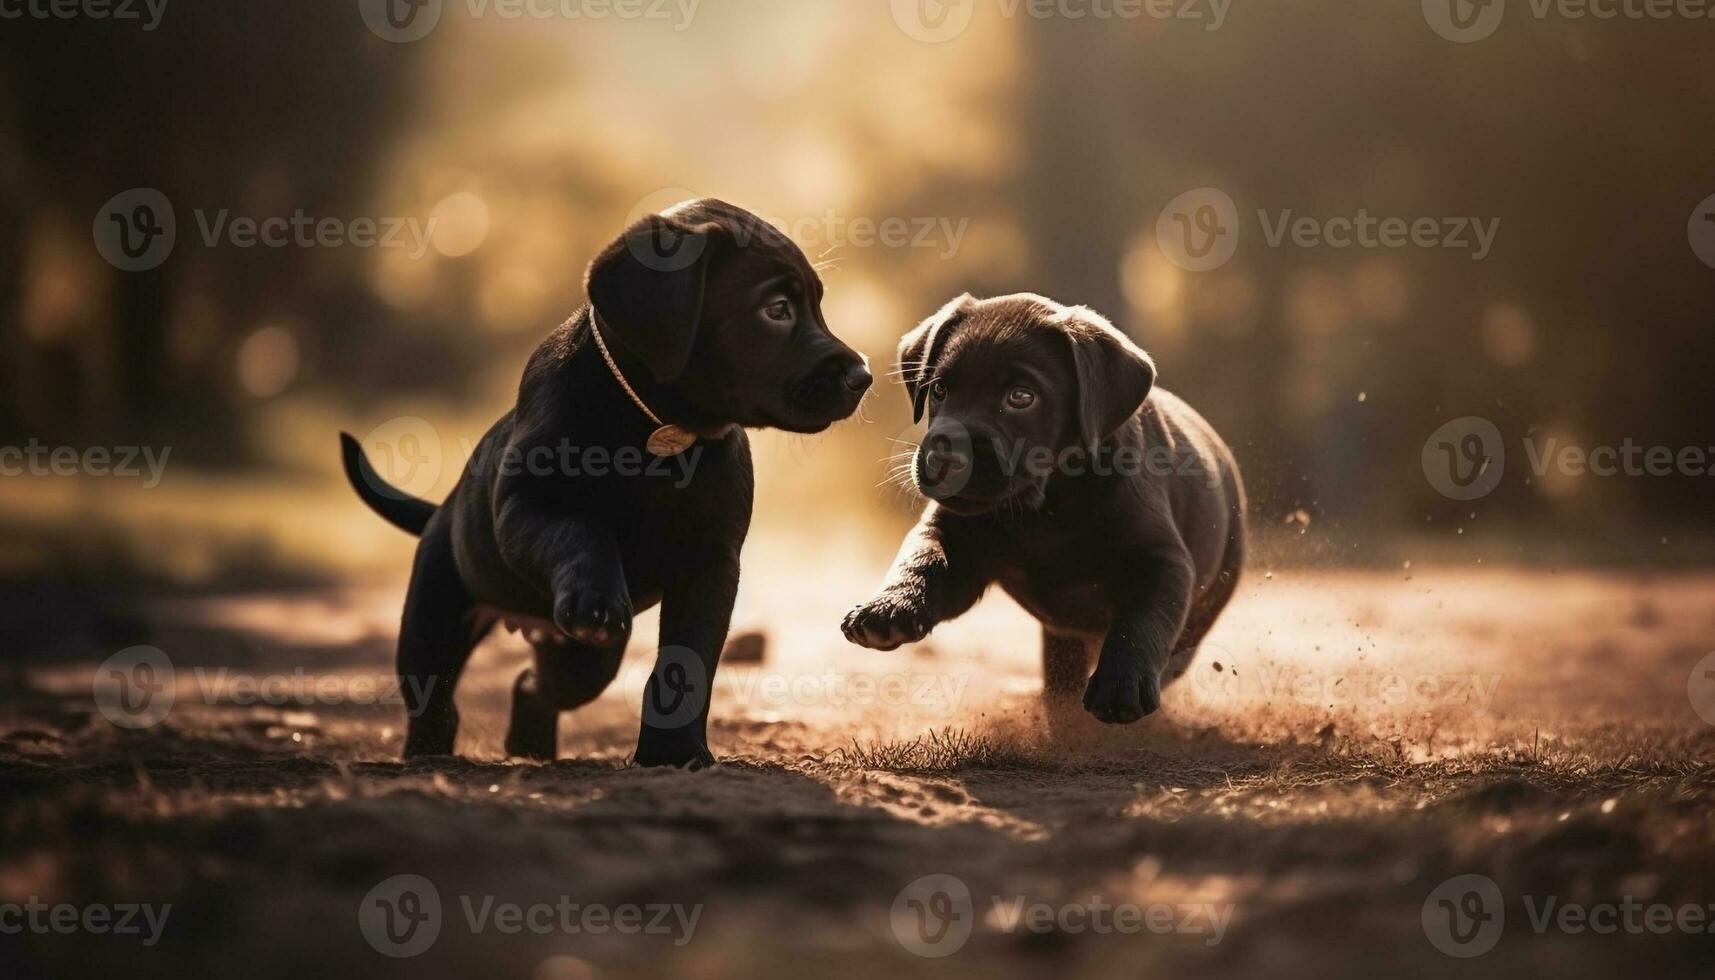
667 440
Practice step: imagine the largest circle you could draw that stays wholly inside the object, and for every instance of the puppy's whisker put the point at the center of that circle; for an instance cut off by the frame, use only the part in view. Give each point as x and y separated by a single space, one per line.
863 406
898 475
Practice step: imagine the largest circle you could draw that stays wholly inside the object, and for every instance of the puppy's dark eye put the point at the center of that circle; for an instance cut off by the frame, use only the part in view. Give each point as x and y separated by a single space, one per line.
780 311
938 390
1020 398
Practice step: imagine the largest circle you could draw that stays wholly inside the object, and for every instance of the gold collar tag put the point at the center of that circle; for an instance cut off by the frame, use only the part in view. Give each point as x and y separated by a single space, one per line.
669 441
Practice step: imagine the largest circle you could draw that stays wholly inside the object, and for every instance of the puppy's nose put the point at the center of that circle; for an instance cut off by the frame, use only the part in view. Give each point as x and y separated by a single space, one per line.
857 378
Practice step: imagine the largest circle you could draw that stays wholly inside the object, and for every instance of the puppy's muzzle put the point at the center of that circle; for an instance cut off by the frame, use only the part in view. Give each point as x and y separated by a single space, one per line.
853 372
833 388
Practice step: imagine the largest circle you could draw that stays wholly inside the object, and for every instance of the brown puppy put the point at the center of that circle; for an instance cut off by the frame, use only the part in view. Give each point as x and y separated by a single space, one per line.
1107 507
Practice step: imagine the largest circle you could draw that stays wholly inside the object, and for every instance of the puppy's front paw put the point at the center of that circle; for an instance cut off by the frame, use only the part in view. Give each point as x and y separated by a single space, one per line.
887 622
672 749
592 617
1120 697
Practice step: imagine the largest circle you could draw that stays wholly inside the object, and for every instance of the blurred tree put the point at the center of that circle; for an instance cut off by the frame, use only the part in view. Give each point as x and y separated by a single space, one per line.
1590 316
260 109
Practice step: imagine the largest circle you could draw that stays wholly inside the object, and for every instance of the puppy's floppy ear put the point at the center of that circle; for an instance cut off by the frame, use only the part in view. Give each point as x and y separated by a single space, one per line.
921 349
648 286
1115 376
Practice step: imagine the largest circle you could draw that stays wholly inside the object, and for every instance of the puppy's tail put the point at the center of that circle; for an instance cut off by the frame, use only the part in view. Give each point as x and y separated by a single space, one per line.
403 511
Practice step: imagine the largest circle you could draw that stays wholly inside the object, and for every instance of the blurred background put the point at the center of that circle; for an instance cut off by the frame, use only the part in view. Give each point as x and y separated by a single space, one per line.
922 149
231 229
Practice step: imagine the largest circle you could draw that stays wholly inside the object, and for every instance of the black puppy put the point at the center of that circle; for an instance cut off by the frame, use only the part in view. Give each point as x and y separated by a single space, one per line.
1108 508
703 321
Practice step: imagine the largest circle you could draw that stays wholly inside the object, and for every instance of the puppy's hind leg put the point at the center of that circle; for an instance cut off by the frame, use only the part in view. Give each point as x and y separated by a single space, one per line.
566 676
1067 660
1206 609
435 640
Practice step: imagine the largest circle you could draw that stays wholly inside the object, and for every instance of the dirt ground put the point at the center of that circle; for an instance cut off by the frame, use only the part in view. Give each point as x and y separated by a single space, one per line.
1347 743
